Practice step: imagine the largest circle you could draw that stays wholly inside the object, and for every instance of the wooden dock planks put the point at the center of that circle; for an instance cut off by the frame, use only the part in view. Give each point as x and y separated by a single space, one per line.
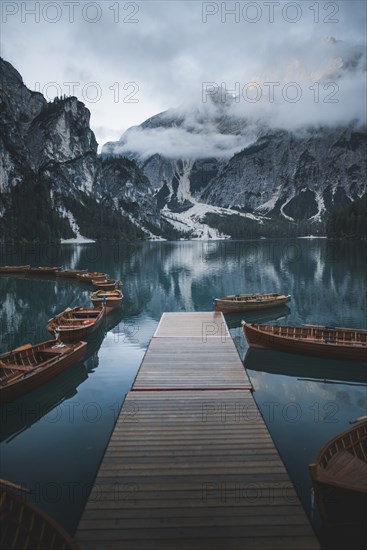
191 351
192 468
193 324
184 363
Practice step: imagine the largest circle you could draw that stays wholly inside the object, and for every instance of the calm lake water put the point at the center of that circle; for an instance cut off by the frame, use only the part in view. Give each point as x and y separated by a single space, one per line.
53 440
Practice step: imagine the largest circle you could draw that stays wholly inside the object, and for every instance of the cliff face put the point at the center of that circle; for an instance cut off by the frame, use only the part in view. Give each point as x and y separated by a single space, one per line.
53 185
298 176
19 107
200 173
294 176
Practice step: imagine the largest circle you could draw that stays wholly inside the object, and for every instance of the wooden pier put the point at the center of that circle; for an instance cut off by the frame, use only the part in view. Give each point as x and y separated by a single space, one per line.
190 463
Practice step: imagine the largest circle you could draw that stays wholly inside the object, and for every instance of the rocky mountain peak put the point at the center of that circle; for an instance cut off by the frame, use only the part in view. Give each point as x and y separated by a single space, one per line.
53 184
201 171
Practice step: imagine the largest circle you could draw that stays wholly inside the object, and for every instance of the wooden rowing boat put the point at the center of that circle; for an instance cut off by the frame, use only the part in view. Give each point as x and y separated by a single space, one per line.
106 284
75 324
88 277
14 268
70 273
350 344
339 476
27 367
23 525
43 270
249 302
109 298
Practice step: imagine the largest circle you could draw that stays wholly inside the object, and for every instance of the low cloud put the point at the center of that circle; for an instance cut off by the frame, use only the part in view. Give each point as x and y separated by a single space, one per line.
179 143
166 51
325 87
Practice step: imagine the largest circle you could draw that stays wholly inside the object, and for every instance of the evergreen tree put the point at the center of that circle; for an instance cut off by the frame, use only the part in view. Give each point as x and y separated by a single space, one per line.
350 221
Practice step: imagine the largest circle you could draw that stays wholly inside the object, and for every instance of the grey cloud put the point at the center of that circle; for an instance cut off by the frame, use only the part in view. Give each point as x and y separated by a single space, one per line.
170 52
327 89
179 143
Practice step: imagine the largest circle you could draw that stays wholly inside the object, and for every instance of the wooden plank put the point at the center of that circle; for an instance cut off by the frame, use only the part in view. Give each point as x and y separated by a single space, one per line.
191 363
245 542
190 463
205 487
269 519
217 512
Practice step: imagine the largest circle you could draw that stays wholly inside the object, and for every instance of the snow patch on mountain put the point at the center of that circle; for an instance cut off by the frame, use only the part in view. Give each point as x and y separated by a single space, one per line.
183 192
283 206
270 204
320 205
79 238
191 221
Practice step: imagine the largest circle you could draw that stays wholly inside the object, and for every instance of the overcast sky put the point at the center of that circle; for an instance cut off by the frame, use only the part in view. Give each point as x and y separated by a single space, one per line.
130 60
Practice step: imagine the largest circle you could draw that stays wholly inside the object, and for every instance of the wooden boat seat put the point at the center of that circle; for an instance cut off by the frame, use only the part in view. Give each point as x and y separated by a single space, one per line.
348 468
79 320
14 366
79 317
51 352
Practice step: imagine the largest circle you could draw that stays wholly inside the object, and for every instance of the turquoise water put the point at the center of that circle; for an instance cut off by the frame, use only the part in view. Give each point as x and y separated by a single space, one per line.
53 439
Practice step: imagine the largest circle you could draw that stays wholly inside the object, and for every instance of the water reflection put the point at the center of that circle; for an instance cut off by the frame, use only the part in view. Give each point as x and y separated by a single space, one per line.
306 368
21 414
326 280
304 401
234 320
27 304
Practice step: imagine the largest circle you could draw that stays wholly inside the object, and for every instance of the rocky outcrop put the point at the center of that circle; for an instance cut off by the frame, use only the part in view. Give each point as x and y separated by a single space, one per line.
290 175
205 172
296 176
53 184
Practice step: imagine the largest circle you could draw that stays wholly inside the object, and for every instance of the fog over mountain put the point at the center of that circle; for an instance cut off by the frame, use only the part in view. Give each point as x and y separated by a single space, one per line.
289 144
321 87
214 119
146 57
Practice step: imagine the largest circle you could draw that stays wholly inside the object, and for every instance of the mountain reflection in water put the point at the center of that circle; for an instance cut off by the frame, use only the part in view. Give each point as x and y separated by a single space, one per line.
304 401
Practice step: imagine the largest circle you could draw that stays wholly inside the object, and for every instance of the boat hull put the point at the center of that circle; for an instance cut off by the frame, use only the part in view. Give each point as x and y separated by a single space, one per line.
14 269
88 277
72 336
39 271
24 525
106 285
109 298
340 506
69 273
339 476
111 303
265 340
232 305
45 372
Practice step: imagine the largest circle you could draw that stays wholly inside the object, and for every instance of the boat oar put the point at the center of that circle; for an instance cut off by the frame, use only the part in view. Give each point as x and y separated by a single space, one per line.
359 419
23 348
